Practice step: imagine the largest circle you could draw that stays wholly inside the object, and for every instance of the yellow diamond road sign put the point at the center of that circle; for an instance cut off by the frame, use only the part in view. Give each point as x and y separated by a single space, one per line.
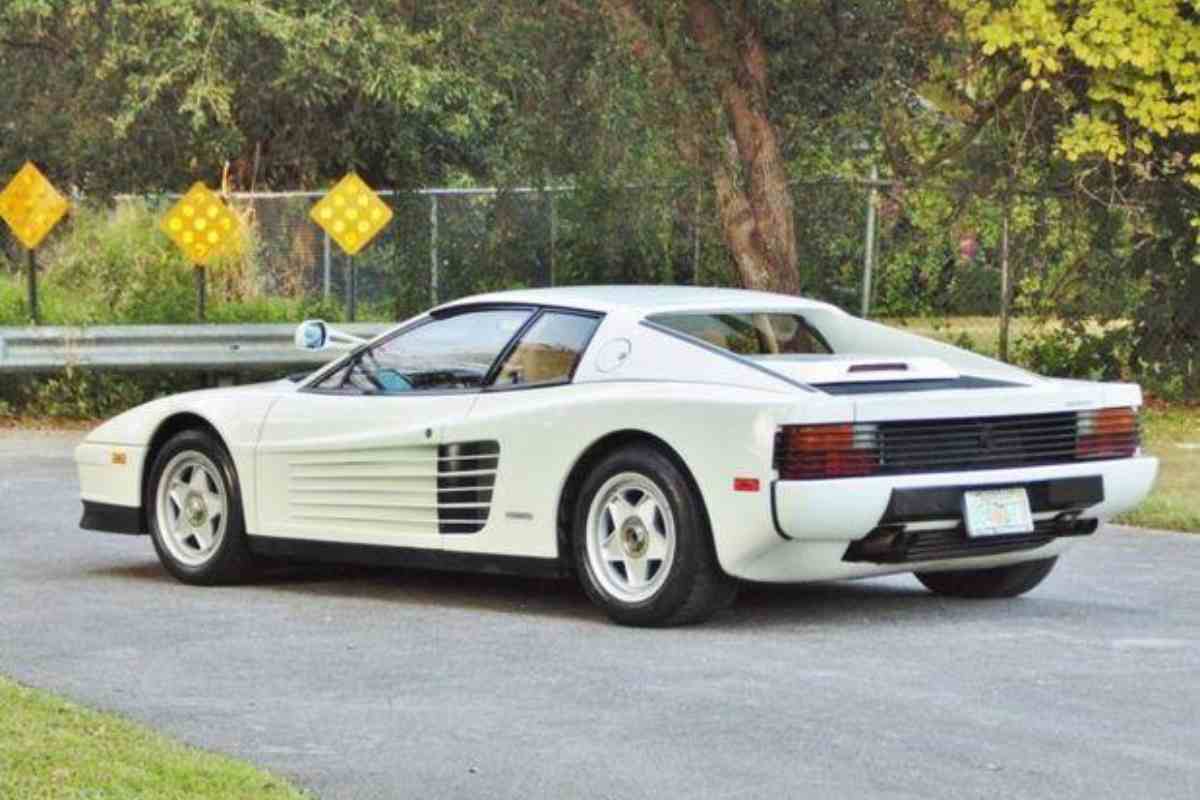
31 206
352 214
201 225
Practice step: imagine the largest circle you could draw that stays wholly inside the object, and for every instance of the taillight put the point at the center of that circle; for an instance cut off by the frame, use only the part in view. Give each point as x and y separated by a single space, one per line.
1106 433
814 452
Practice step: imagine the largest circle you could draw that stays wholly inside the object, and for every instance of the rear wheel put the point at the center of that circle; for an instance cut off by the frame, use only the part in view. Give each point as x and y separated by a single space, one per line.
1010 581
195 511
642 547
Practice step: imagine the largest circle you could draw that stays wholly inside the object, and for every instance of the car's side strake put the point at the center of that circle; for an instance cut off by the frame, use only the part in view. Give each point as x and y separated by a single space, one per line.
466 477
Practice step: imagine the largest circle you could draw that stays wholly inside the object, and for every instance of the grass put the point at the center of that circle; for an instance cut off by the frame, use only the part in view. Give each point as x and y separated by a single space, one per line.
1173 434
50 748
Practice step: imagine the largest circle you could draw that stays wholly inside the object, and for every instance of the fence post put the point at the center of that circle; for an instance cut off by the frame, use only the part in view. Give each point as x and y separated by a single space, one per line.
1005 286
433 248
553 232
33 298
696 236
327 263
869 254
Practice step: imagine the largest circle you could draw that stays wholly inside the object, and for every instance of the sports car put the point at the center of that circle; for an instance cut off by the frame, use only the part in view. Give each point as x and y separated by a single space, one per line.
660 444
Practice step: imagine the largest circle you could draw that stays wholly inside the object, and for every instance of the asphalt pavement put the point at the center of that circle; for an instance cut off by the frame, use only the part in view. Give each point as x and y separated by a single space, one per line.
360 683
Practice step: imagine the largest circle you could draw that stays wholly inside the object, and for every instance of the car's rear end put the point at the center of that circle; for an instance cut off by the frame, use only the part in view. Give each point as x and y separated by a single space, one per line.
927 477
894 453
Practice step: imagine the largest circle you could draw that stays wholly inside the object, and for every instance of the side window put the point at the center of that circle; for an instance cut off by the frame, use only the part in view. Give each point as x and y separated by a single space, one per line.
549 351
442 354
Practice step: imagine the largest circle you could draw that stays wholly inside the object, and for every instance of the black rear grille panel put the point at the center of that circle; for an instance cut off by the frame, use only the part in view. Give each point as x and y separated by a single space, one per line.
466 479
953 445
959 444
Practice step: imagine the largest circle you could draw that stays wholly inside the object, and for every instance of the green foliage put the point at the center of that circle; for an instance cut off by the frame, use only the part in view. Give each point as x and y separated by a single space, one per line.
90 394
144 96
118 265
1078 351
1141 59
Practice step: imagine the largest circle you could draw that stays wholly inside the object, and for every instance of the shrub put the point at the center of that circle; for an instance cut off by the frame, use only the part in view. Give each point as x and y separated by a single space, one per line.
1076 351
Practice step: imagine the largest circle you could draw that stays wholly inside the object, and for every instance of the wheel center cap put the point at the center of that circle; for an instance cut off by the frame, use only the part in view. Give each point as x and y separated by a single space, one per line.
635 540
197 511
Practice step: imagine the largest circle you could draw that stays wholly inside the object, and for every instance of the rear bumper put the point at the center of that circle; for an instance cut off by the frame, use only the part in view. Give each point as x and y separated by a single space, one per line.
830 530
848 509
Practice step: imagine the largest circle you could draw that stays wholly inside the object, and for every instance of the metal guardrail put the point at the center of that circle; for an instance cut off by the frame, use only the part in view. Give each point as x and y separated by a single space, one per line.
219 348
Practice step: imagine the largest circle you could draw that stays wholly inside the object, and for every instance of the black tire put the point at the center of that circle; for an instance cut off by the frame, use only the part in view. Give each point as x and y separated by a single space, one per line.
694 586
230 561
983 584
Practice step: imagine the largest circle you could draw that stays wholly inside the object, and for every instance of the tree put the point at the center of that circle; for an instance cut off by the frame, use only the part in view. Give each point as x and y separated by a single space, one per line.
743 97
1116 84
149 95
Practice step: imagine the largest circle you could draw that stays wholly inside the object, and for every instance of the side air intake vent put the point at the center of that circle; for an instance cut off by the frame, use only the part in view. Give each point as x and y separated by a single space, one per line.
466 478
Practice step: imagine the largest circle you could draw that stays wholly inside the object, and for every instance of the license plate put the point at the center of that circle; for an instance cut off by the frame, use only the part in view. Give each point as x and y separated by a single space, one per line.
997 512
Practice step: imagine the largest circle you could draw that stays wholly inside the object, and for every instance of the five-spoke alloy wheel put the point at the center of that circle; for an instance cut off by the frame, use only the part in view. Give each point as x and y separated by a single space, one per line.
642 546
192 508
195 511
630 537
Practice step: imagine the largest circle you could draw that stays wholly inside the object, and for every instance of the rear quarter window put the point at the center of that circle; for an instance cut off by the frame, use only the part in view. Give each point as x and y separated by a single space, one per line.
750 333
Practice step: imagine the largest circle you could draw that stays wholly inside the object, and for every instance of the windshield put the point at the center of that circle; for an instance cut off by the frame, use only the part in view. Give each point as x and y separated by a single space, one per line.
750 333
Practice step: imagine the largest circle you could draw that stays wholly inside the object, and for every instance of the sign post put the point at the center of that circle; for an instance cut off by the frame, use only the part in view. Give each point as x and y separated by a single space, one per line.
32 207
203 227
352 214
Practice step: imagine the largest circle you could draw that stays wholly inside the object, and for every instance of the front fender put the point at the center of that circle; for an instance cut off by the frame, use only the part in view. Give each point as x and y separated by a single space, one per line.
114 458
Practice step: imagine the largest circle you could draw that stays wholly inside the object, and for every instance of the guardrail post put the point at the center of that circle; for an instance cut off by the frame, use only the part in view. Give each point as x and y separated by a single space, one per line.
33 298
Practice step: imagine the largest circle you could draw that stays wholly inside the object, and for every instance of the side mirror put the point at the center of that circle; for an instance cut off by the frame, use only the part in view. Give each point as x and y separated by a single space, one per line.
312 334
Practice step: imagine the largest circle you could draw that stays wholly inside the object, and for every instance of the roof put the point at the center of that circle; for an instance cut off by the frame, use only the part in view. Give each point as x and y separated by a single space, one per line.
646 299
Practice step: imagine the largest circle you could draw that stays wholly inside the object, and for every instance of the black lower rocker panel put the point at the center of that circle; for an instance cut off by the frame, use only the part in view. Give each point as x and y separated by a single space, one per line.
376 555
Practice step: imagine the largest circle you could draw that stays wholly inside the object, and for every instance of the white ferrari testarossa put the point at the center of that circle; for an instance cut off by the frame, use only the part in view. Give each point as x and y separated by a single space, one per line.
657 442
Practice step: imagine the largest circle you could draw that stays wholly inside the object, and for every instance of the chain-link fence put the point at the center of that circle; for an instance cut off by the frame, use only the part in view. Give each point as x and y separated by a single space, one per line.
448 243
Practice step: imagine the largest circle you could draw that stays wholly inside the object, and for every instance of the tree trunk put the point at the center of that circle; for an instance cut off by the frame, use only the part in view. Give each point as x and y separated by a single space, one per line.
753 195
738 145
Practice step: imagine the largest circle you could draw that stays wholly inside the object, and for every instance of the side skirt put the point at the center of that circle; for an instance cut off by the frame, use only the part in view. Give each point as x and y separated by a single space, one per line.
379 556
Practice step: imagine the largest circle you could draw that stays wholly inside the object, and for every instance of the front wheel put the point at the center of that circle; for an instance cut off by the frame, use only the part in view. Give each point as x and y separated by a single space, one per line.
642 546
195 511
1010 581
